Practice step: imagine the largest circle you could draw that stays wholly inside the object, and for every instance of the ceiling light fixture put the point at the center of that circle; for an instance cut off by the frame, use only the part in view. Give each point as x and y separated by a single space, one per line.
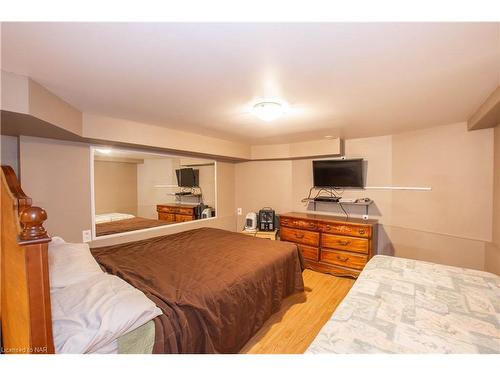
268 111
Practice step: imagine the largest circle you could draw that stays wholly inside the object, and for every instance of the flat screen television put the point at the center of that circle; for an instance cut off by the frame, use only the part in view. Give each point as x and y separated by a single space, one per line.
187 177
338 173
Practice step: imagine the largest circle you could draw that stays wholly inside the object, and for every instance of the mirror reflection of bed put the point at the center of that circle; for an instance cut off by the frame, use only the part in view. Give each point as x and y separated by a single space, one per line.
140 190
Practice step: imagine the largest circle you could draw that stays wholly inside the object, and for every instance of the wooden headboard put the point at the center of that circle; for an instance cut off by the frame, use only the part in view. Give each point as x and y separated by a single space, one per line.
24 273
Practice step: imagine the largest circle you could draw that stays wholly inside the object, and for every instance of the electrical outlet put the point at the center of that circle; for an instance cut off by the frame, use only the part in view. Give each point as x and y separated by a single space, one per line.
365 217
240 211
86 235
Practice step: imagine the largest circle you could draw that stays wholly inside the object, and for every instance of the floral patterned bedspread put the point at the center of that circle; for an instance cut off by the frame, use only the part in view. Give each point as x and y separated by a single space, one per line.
406 306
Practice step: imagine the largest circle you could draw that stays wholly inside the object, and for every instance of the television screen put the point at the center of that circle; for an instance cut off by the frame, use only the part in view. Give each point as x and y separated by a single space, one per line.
187 177
338 173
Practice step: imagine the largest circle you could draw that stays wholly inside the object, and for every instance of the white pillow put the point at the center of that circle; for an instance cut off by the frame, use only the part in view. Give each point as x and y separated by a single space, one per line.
90 315
70 263
57 240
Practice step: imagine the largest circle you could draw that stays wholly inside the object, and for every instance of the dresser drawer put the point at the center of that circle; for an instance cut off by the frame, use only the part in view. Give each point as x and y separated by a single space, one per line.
185 211
183 218
298 223
309 252
344 259
359 245
301 236
346 229
332 269
168 209
166 216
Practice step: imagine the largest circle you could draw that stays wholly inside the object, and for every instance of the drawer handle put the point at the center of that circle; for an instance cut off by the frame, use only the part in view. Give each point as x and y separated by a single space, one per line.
361 231
311 225
299 235
343 242
328 227
342 259
285 221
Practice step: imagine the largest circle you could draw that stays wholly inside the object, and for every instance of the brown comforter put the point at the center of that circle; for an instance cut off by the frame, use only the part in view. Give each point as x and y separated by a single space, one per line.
215 288
127 225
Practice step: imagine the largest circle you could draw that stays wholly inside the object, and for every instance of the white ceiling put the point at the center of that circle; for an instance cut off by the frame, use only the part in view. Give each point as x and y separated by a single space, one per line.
349 80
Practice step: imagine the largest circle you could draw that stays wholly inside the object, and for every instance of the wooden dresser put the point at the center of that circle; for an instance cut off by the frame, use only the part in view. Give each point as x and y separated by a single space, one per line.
176 212
331 244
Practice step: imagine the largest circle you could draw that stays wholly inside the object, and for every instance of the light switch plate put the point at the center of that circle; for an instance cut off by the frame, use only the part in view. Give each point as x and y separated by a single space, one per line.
240 211
87 235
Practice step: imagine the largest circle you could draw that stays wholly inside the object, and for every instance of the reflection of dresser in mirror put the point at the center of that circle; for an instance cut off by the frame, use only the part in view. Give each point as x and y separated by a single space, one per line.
176 212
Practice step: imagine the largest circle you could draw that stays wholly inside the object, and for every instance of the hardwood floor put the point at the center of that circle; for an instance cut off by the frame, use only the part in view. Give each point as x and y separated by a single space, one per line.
301 316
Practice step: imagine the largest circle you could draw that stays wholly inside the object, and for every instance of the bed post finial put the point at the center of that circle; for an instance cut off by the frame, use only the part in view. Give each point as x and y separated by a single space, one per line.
25 313
31 220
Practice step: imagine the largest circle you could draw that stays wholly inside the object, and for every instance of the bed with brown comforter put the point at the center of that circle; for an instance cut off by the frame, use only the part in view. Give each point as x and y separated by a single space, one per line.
215 288
128 225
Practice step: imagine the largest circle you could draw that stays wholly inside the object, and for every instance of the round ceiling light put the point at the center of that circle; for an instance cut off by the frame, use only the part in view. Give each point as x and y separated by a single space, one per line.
268 111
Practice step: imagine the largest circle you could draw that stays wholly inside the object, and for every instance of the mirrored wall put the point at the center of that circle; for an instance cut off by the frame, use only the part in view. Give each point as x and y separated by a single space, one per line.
139 190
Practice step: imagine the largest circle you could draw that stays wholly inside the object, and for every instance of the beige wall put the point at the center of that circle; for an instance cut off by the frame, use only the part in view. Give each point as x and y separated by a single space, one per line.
10 152
318 148
14 92
207 183
458 165
48 107
263 183
115 187
154 172
453 223
450 224
493 248
56 175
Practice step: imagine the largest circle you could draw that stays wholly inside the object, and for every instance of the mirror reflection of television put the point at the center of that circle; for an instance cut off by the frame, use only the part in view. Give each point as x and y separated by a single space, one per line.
187 177
338 173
